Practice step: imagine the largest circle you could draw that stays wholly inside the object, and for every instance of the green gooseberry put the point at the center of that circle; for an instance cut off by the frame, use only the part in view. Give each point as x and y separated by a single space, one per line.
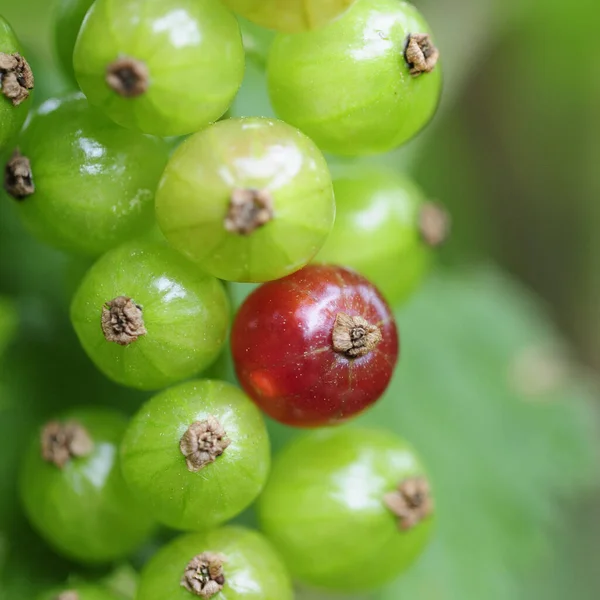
363 84
384 229
290 16
348 509
16 83
79 592
231 563
247 199
165 68
197 453
148 318
74 493
83 184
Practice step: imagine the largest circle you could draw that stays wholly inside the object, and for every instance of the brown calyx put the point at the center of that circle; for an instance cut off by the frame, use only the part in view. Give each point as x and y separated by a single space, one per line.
202 443
128 77
354 336
16 77
420 54
18 177
62 441
434 224
203 575
248 210
68 595
411 502
122 321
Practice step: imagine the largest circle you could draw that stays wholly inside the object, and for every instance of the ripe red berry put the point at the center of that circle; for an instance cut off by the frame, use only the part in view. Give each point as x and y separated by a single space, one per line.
315 348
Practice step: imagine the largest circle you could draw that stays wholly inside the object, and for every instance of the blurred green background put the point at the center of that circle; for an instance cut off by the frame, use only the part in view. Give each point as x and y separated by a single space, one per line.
496 386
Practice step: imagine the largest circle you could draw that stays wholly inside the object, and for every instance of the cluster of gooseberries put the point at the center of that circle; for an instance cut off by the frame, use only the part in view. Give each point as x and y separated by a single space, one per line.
102 172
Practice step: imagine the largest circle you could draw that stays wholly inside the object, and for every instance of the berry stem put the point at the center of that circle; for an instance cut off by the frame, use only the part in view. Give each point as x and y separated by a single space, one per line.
204 575
421 55
62 441
202 443
354 336
411 502
248 210
18 177
128 77
122 321
16 77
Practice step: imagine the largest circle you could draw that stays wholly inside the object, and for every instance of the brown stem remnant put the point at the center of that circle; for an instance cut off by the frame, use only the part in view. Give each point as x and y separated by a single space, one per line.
354 336
411 502
202 443
68 595
421 55
16 77
128 77
248 210
203 575
434 224
62 441
122 321
18 177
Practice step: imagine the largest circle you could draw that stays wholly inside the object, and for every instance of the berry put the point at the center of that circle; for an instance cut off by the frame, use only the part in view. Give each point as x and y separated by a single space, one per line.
79 592
81 183
69 16
198 454
167 68
384 229
290 16
316 347
149 318
231 562
73 491
349 509
16 83
364 84
247 199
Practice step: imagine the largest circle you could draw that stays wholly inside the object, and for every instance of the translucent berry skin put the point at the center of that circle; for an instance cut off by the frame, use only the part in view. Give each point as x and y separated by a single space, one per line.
376 230
194 196
83 591
323 509
185 313
69 17
348 86
193 52
85 510
156 470
290 16
283 354
94 181
11 117
253 570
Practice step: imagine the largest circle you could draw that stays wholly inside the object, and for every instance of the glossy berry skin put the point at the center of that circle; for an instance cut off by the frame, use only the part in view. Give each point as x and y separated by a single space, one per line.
290 16
69 17
185 313
11 117
156 470
283 351
376 231
195 196
324 509
85 510
191 50
94 181
253 570
348 86
83 591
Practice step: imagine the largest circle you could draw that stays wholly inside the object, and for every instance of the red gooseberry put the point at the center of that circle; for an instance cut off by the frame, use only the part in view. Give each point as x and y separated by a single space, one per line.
316 347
